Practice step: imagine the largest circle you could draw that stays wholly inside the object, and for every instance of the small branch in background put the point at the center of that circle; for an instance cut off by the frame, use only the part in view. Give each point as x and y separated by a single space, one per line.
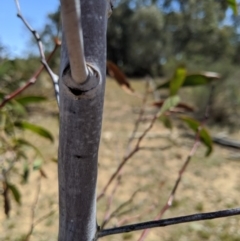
170 221
155 92
109 216
134 150
126 158
129 219
53 76
152 148
33 210
31 81
140 115
184 167
44 217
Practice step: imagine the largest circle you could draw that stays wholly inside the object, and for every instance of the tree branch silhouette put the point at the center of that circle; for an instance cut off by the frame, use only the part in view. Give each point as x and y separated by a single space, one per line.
170 221
35 34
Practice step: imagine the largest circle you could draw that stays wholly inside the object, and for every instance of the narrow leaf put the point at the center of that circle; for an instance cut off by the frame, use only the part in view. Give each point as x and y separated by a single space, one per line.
204 134
37 164
2 94
15 192
119 76
233 5
54 159
35 129
21 141
42 173
17 107
166 121
177 80
25 100
200 79
169 103
192 80
26 172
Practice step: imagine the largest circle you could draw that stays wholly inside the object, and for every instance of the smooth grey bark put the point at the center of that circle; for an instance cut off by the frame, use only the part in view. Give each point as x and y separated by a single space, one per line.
81 107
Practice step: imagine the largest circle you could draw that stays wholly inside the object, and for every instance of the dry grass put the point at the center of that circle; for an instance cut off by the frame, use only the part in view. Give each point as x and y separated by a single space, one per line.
209 183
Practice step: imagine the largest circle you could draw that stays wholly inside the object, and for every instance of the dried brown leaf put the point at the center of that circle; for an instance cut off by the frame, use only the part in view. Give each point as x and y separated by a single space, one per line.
42 173
119 76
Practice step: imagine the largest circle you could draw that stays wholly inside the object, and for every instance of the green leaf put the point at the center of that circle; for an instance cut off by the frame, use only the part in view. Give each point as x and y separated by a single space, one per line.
17 108
15 192
37 164
25 100
233 5
21 154
192 80
169 103
166 121
21 142
200 79
204 134
5 68
26 172
54 159
34 128
177 80
2 94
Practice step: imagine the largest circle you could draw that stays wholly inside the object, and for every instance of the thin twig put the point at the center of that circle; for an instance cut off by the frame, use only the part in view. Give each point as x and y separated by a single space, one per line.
127 157
44 217
108 215
141 113
170 221
52 75
30 82
137 145
118 209
154 91
33 210
128 219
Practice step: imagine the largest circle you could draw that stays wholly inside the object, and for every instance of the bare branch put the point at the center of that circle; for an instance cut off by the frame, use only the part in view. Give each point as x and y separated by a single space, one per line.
53 76
71 20
33 210
170 221
141 113
135 149
44 217
109 215
128 219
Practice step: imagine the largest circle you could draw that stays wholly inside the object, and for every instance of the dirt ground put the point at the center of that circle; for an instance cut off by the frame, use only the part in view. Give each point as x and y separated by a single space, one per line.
209 183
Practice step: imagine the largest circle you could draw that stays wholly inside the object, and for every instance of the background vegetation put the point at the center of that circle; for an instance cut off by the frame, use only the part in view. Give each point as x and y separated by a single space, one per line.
145 38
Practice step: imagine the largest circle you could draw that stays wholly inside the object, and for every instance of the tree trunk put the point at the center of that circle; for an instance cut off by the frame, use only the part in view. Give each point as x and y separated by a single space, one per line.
81 107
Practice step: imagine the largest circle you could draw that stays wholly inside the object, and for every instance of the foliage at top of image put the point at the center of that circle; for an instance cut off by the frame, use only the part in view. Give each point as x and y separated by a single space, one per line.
145 36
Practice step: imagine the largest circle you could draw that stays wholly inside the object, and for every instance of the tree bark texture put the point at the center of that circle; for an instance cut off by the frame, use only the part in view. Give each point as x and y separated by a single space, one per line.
81 107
